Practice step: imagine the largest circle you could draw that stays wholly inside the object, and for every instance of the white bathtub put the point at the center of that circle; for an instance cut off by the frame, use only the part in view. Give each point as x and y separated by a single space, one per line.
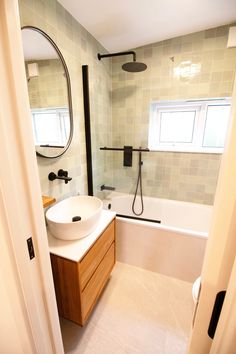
175 247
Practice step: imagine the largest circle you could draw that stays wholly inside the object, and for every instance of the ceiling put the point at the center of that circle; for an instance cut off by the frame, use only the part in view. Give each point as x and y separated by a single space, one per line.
125 24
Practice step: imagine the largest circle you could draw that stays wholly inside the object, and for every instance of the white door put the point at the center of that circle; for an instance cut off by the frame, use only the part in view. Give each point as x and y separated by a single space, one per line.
221 246
15 332
29 319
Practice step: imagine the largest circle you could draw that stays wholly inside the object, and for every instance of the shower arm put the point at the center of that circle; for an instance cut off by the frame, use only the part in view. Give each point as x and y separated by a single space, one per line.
100 56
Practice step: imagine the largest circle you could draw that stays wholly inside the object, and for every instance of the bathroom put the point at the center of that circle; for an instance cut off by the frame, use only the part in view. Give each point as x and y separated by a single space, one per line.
189 177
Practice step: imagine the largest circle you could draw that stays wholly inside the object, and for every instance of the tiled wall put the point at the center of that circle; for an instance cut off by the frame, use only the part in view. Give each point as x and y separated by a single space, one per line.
78 48
183 176
49 88
172 175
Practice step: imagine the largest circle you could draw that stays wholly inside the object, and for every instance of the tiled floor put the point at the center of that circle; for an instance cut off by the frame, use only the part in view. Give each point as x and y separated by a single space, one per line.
139 312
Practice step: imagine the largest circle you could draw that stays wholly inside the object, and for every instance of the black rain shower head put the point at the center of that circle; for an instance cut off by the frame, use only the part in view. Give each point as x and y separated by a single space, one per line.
132 66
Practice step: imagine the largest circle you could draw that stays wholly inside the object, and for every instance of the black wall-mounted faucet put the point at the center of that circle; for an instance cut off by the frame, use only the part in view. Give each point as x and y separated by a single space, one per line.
61 174
108 188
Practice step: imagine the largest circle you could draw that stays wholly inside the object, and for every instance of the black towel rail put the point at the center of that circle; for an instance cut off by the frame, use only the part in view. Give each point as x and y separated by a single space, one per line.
122 149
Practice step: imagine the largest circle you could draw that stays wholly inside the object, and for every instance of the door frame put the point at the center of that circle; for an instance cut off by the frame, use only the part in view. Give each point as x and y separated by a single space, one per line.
224 340
21 194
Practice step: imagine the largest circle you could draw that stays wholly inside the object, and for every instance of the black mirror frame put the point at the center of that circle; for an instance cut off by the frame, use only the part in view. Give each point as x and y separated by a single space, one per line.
68 90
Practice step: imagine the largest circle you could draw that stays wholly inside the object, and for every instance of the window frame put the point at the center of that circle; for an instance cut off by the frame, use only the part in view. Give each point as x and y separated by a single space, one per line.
61 113
201 107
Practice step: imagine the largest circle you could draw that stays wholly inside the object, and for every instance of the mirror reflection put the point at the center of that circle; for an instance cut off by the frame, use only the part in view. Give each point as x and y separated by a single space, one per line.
49 93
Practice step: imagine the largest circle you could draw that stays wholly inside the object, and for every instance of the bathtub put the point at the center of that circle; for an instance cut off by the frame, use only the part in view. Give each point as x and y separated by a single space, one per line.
174 247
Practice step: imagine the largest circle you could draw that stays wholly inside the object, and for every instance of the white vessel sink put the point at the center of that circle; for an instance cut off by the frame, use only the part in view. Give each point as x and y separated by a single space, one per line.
85 210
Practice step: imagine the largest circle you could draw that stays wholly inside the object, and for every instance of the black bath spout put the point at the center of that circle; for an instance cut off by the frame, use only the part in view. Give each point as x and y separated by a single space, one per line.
103 187
52 176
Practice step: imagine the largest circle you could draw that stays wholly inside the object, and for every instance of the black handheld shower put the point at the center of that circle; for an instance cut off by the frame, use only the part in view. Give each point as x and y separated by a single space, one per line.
132 66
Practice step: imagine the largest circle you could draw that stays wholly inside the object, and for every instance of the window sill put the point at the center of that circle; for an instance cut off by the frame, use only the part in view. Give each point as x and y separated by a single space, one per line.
188 150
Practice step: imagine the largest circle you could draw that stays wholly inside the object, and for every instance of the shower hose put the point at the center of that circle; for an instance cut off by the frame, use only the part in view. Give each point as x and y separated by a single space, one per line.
139 183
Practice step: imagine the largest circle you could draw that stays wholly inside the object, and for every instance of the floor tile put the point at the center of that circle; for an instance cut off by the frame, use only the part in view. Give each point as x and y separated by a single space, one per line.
139 312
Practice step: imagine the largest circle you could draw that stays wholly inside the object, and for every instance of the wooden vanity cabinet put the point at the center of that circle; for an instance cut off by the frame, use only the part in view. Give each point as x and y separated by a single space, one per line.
79 284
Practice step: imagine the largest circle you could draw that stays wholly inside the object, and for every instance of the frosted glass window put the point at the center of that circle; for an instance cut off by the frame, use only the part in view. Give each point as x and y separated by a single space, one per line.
216 126
177 126
65 119
197 125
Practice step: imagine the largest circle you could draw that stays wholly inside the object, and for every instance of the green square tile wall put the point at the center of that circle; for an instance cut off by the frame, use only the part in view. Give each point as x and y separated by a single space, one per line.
183 176
78 48
120 103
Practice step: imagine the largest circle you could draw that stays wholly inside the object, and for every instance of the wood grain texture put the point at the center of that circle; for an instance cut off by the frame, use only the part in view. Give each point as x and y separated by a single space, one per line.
96 284
78 285
47 201
66 282
91 260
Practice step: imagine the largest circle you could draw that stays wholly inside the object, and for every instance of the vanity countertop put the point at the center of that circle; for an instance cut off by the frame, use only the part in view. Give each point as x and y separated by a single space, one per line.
76 249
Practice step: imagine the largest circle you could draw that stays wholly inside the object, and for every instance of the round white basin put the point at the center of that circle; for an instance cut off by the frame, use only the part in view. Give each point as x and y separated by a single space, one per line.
74 217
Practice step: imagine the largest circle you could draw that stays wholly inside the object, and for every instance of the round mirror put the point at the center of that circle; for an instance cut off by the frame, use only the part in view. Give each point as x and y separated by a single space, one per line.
49 93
